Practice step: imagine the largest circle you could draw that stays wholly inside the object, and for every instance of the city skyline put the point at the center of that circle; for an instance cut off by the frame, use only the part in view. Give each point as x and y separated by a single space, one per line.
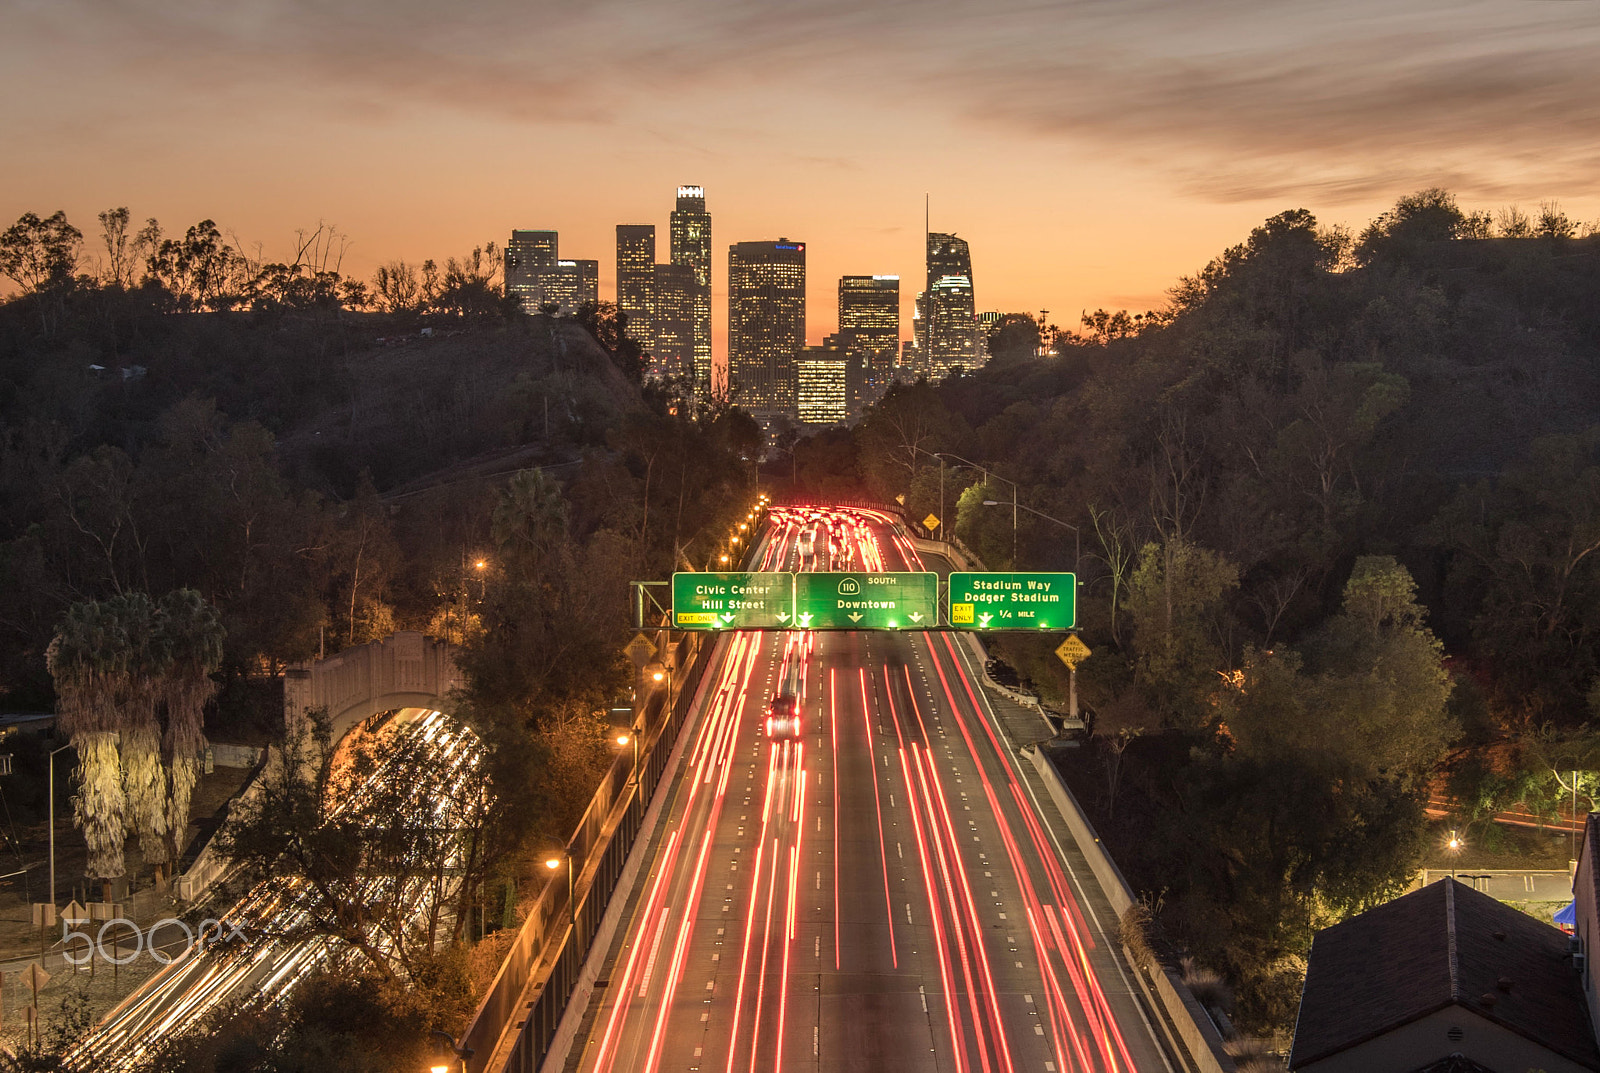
1105 151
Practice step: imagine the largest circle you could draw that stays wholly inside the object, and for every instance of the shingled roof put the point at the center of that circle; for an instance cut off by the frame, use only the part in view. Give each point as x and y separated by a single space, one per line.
1443 945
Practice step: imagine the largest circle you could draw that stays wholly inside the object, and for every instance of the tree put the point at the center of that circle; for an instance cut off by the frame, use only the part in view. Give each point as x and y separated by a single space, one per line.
120 247
1426 216
40 254
1175 601
191 634
397 289
148 663
1015 337
89 661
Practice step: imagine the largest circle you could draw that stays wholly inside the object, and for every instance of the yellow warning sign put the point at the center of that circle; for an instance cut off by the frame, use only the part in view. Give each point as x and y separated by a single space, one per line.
1072 651
931 522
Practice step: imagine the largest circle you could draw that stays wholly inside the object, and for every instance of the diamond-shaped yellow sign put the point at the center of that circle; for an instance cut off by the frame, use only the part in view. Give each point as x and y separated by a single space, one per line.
640 648
931 522
1072 651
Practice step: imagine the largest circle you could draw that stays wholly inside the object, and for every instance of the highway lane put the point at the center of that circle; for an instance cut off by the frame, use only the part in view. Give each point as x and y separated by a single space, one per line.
878 895
256 967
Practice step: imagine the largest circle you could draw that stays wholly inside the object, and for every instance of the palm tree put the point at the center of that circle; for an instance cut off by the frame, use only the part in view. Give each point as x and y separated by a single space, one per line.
192 634
88 659
137 699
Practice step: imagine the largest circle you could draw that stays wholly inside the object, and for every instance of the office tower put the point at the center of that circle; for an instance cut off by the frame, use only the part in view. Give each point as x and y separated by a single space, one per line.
673 321
986 323
690 227
588 285
571 284
949 338
636 279
869 322
766 322
529 256
822 383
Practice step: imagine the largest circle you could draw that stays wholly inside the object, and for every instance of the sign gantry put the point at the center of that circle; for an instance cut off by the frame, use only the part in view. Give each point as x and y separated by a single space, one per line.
859 600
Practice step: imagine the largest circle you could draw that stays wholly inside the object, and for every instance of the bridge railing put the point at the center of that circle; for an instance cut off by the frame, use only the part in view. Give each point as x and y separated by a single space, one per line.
516 1021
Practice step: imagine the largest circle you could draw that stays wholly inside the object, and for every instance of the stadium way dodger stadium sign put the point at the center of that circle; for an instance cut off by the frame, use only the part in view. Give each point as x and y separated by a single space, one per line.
1008 601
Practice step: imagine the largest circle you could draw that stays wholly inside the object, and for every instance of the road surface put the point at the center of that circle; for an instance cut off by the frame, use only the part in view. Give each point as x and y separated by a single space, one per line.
879 894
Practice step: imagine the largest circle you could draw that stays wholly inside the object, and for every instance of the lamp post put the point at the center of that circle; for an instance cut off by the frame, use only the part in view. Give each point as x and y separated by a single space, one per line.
1077 537
987 473
51 761
463 1053
555 861
1454 846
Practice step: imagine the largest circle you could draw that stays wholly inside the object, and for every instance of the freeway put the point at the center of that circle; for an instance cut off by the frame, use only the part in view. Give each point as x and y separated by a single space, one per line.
433 753
878 893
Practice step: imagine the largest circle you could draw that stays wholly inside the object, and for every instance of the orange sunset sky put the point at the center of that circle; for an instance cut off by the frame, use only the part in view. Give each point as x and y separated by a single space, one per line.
1092 151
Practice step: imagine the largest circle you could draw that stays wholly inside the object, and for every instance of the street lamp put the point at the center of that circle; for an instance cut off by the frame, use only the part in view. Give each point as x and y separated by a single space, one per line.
553 862
1454 845
460 1052
1077 537
52 762
987 473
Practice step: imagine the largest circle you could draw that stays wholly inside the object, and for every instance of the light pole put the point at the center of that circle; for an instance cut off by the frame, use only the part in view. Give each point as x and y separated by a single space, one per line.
555 861
52 762
1077 537
987 473
463 1053
1454 846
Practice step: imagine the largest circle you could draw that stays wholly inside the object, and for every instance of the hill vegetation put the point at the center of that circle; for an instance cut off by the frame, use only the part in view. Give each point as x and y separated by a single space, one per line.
1338 507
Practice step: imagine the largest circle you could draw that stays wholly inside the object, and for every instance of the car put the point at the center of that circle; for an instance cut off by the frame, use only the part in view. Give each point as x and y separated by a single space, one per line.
783 713
783 718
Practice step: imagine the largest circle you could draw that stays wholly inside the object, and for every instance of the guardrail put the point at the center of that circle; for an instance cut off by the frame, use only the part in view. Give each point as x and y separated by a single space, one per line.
516 1022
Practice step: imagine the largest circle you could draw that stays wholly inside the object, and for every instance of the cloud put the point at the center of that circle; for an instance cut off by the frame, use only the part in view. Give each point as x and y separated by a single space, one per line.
1233 100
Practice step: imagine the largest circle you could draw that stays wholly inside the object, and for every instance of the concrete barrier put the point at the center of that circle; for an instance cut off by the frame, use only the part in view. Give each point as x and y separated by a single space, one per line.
1182 1012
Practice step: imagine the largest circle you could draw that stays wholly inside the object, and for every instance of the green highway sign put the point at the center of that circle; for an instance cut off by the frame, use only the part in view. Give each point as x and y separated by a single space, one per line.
732 601
1006 601
855 601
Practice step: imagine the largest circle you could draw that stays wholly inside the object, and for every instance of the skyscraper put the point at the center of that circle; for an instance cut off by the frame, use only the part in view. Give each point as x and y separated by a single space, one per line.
672 320
636 279
571 284
529 256
822 383
950 337
766 322
690 228
869 322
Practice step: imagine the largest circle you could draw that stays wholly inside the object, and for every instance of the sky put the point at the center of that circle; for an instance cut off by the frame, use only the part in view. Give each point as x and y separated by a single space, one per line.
1091 151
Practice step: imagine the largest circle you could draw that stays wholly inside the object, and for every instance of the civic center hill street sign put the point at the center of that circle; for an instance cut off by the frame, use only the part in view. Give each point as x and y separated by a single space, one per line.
1009 601
732 601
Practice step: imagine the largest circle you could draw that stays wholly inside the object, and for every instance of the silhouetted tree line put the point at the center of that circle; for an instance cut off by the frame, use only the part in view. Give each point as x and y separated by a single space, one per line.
1333 465
183 415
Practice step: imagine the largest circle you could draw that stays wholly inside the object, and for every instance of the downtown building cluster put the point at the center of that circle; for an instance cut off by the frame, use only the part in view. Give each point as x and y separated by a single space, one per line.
771 371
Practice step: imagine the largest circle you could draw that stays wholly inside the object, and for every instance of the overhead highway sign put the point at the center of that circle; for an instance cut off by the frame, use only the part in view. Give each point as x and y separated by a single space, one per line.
1013 601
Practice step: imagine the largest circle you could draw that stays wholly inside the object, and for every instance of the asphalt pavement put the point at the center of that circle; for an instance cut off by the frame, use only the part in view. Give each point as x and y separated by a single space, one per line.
885 893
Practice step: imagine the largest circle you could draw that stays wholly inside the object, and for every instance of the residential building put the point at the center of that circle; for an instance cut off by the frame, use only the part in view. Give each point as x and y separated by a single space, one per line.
636 279
1444 978
766 323
690 227
869 321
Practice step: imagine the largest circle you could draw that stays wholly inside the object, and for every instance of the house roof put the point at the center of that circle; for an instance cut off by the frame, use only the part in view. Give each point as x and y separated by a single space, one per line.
1443 945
